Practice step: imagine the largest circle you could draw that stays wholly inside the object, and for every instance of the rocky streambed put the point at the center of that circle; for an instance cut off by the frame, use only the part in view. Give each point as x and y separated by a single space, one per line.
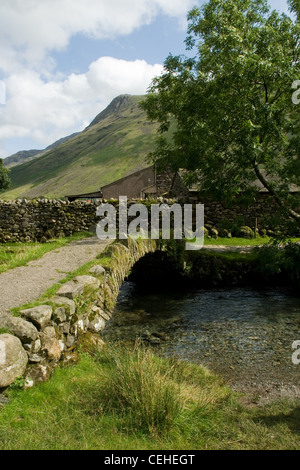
244 335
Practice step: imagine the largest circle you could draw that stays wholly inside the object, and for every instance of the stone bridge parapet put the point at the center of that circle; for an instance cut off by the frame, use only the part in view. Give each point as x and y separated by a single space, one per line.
35 342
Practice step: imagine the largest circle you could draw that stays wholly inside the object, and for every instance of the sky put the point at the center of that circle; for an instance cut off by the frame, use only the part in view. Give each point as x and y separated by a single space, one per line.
63 61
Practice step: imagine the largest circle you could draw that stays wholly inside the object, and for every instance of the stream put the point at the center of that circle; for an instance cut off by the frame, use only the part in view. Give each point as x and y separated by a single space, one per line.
244 335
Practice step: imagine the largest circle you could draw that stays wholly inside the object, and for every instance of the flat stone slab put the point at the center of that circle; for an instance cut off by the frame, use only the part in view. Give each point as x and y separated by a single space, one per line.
75 288
97 270
71 290
39 316
88 281
69 304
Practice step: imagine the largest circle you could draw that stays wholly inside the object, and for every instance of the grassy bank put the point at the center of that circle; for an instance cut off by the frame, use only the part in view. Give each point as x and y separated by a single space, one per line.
235 241
131 399
13 255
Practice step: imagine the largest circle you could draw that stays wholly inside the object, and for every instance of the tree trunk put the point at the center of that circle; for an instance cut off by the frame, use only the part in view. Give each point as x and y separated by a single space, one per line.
294 215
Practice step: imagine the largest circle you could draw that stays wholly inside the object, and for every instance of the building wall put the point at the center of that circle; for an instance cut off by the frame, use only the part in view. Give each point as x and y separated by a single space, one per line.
164 180
139 184
130 186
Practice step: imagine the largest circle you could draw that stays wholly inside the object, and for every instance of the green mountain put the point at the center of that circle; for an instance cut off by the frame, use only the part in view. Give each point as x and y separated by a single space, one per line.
28 155
114 145
20 157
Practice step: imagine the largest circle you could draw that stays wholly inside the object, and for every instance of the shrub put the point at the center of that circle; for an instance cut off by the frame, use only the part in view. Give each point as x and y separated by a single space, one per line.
246 232
281 260
232 227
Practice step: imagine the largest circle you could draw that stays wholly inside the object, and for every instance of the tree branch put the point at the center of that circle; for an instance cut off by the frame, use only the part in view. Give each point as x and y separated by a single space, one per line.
273 193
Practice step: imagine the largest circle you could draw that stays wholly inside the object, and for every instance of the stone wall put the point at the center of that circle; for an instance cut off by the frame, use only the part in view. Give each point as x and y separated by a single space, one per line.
41 219
263 209
34 343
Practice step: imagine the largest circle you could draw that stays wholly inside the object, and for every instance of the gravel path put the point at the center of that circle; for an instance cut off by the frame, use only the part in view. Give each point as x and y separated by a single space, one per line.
232 249
27 283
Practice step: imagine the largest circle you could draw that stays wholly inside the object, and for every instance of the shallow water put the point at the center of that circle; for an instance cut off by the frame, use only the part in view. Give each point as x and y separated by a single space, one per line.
242 334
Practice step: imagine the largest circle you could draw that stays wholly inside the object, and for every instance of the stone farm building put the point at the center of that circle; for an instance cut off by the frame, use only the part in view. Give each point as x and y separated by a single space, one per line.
141 184
148 182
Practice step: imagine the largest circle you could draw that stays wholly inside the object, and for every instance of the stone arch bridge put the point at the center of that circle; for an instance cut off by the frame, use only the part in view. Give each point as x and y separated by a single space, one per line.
35 341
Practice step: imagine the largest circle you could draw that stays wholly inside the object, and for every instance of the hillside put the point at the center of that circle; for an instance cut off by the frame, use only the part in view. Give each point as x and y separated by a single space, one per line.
20 157
25 156
115 144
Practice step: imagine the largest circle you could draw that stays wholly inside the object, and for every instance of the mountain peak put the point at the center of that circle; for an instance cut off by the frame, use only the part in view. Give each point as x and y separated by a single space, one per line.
117 105
113 148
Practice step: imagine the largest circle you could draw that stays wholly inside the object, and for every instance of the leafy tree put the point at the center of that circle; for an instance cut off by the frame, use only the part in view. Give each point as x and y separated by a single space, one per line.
295 7
4 178
231 100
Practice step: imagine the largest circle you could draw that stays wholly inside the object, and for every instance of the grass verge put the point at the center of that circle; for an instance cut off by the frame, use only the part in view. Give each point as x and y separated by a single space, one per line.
125 399
233 242
13 255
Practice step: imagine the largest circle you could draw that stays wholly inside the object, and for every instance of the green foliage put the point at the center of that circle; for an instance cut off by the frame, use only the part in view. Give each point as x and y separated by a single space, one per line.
295 7
4 331
236 123
175 251
4 178
233 227
18 384
276 259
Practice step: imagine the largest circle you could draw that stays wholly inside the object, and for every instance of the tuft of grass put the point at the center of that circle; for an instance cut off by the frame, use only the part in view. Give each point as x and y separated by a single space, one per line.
4 331
141 391
160 397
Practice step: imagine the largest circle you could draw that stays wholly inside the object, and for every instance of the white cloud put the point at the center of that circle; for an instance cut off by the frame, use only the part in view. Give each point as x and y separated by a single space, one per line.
108 76
2 92
44 105
30 29
47 111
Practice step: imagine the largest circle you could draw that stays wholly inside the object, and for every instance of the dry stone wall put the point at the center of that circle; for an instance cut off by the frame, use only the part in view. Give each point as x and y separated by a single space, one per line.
261 211
34 343
42 219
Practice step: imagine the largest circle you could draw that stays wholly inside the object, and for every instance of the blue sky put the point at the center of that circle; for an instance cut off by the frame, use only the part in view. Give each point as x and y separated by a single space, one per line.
151 42
63 61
